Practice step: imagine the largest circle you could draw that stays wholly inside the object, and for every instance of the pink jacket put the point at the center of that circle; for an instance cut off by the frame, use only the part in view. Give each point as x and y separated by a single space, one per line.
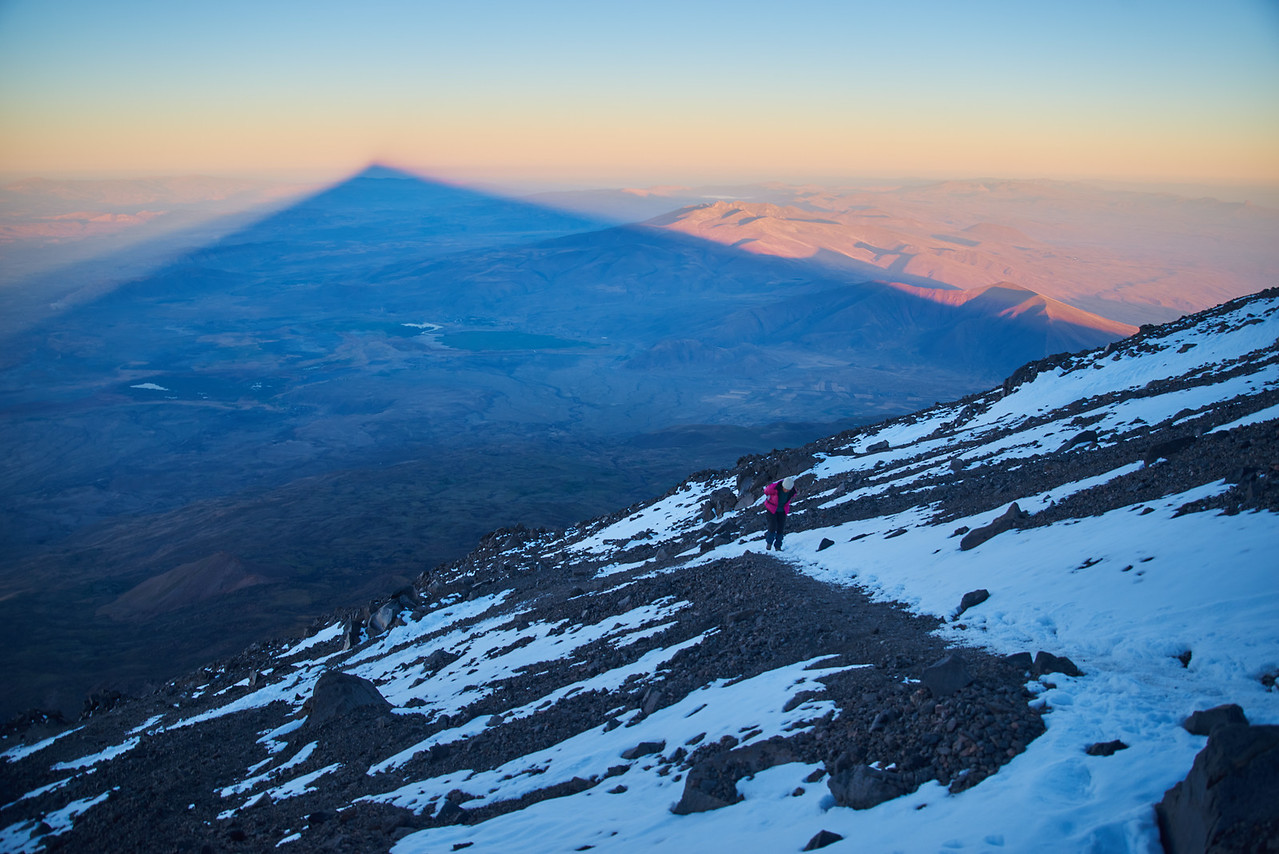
772 492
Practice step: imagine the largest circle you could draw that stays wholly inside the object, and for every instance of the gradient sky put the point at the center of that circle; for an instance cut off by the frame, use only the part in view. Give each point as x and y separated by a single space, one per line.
644 92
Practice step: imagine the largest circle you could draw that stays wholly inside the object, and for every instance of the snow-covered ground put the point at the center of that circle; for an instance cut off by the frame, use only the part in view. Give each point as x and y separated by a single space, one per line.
1123 594
1165 611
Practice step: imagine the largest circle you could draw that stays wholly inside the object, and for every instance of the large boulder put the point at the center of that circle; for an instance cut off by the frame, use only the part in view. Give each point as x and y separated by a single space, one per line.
862 787
338 694
381 619
1230 799
1204 721
712 783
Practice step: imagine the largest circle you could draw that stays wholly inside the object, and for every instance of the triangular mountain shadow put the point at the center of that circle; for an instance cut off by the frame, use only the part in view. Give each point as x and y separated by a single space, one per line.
390 243
382 210
364 383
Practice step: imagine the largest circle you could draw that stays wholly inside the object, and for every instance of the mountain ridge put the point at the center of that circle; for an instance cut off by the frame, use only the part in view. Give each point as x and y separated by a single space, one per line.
904 255
628 683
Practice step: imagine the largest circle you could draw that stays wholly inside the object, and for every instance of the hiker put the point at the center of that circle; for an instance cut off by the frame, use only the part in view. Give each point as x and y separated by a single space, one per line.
778 497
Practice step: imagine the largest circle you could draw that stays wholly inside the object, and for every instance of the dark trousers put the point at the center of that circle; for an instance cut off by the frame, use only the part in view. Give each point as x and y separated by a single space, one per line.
776 528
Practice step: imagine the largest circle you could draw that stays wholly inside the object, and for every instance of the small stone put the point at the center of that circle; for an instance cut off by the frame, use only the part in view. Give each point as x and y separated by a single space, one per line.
644 748
822 839
1105 748
971 599
882 719
1046 662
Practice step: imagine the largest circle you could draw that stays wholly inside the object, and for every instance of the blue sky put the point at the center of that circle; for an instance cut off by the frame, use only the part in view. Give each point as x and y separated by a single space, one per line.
645 92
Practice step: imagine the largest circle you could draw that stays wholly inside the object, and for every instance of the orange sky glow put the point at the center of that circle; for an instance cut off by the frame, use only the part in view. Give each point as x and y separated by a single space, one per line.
575 92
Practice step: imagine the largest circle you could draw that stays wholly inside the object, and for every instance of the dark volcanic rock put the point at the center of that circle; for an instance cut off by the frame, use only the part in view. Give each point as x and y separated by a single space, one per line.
712 783
1020 660
1087 437
1230 799
336 694
1163 450
1013 517
821 839
947 676
1105 748
971 599
1205 721
380 621
450 813
863 787
644 748
1046 662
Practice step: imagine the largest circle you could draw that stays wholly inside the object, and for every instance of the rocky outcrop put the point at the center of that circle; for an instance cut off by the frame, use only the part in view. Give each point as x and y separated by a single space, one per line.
1229 802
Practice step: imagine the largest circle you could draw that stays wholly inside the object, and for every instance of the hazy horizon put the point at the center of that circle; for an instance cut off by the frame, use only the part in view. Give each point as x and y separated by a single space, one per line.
1256 193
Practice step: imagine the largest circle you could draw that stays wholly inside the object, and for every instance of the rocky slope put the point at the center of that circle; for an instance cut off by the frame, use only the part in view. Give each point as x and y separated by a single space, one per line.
982 632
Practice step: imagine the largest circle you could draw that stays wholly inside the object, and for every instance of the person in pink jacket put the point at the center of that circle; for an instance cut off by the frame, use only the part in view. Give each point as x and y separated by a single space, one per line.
777 499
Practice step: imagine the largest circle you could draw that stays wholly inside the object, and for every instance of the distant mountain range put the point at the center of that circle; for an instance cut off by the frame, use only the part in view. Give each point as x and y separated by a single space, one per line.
123 226
367 381
1135 257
